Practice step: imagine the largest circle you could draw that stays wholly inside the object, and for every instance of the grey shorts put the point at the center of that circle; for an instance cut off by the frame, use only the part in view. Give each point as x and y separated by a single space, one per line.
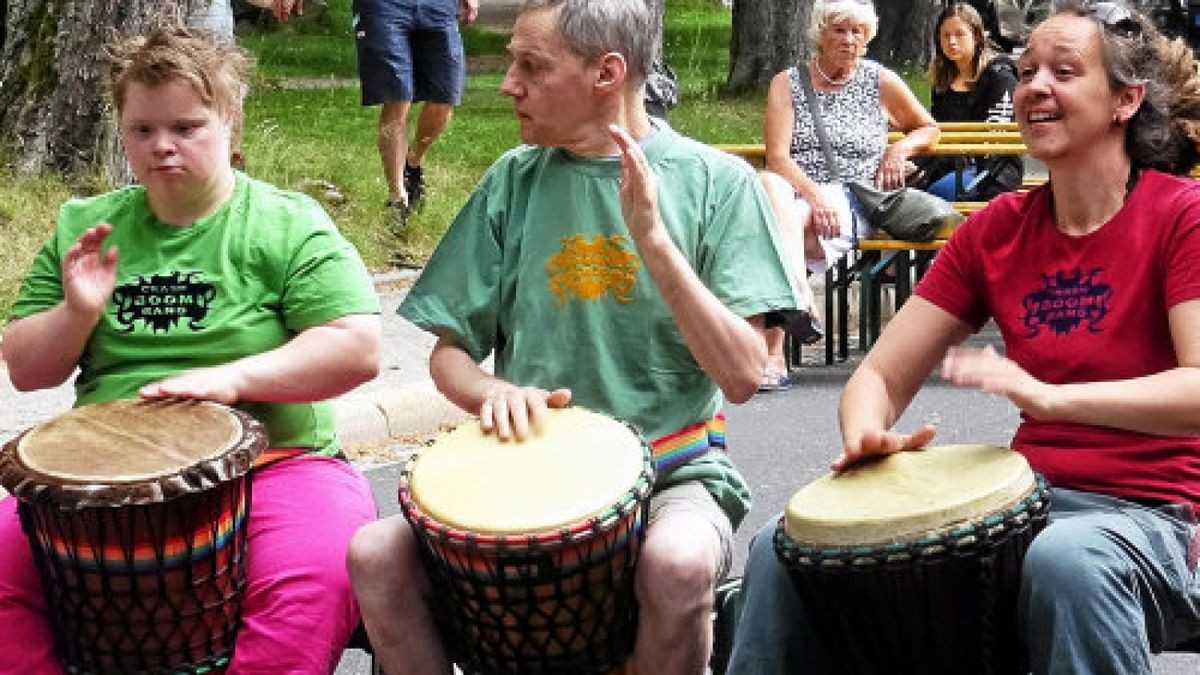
409 51
691 498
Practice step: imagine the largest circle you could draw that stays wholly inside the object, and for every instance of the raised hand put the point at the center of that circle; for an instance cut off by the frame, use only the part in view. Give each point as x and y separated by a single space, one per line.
639 188
89 273
988 371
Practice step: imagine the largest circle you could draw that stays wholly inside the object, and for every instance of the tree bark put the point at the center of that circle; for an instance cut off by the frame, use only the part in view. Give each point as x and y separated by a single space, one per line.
768 36
53 106
771 35
905 36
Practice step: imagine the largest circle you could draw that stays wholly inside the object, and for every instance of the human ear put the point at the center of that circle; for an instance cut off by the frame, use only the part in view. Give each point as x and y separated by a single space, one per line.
612 71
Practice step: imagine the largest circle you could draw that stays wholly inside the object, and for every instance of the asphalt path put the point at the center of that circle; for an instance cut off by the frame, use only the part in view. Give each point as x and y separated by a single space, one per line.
783 440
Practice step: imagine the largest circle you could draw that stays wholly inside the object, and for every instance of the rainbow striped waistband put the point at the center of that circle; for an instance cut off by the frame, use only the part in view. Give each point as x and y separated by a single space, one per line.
678 447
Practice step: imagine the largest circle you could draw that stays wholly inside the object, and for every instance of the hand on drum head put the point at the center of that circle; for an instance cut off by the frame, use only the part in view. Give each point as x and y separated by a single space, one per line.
89 274
219 383
871 443
511 411
988 371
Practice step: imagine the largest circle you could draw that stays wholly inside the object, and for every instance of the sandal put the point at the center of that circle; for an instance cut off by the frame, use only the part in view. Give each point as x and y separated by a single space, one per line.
774 380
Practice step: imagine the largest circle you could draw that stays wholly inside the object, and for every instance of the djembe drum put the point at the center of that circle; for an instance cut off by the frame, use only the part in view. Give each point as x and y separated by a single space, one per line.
531 546
911 563
136 513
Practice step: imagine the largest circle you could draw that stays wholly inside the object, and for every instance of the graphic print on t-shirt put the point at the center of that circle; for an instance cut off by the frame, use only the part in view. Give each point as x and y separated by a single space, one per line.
1067 300
590 269
162 300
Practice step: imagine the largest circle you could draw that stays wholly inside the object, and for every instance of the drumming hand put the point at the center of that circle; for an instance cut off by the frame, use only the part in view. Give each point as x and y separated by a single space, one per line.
218 383
511 411
88 273
639 191
988 371
881 442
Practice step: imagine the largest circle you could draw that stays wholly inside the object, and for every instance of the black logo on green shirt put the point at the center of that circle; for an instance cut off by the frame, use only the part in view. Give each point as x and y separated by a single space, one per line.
162 300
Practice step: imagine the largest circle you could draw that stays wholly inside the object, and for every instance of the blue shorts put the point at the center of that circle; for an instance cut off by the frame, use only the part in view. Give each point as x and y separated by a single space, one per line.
409 50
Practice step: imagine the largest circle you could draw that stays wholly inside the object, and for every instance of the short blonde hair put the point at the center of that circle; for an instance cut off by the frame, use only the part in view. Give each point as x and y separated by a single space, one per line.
215 70
826 12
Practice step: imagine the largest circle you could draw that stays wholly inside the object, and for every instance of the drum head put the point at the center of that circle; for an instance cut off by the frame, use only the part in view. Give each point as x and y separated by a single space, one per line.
577 466
907 494
131 451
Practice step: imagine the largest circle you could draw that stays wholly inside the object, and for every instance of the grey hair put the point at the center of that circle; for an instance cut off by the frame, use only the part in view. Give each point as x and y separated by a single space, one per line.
1165 131
593 28
826 12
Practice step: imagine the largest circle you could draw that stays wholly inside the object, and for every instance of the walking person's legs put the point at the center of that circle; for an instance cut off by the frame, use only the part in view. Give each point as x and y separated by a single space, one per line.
393 148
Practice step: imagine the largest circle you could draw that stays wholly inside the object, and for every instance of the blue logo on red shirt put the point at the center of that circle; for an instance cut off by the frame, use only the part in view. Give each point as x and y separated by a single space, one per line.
1066 301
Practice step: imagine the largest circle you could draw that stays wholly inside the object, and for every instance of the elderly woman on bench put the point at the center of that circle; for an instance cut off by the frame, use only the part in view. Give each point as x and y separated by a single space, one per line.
860 99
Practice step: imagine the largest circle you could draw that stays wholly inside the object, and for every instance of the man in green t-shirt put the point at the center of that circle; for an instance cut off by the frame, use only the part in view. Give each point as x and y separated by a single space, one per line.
610 263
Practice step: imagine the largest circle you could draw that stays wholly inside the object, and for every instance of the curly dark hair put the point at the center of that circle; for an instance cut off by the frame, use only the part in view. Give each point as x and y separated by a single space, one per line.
1165 131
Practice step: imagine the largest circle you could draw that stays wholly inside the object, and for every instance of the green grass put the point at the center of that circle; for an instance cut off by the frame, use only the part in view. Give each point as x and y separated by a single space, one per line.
296 137
28 207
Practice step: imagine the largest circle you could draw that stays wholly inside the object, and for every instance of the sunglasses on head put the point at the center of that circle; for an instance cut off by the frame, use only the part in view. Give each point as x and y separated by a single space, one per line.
1116 18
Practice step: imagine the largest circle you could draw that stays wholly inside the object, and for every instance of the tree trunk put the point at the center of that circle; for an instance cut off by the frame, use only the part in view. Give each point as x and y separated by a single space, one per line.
657 9
768 36
771 35
53 107
905 36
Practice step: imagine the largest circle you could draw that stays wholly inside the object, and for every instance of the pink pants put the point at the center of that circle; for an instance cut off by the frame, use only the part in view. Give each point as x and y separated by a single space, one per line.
299 609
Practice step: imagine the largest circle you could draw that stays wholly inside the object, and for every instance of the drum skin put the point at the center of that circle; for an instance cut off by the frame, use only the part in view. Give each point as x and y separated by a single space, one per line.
911 563
135 513
531 547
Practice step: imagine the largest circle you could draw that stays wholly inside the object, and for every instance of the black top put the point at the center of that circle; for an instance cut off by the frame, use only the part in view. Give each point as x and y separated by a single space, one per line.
990 100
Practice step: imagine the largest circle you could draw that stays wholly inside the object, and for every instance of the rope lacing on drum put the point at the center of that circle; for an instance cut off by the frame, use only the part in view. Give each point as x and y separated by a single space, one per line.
828 577
553 602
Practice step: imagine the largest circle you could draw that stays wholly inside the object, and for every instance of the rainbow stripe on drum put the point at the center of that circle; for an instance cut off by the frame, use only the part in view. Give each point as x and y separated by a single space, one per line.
678 447
148 555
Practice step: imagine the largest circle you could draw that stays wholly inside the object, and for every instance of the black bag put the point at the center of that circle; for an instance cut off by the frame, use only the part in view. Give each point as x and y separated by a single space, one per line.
907 213
661 91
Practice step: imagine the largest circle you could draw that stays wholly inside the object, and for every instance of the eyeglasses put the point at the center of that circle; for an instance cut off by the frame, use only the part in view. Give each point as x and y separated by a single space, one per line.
1116 18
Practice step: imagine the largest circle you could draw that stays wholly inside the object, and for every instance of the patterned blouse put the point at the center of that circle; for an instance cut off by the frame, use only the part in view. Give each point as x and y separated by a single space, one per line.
854 120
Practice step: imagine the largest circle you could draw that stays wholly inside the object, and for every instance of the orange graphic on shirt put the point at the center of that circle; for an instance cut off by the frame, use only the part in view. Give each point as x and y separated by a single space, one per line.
590 269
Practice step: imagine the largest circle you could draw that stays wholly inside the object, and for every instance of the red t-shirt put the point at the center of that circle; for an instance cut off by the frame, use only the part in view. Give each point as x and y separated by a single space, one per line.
1085 309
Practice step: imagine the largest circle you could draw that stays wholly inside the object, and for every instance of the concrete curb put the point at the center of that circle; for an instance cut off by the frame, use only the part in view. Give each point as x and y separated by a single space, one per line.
408 413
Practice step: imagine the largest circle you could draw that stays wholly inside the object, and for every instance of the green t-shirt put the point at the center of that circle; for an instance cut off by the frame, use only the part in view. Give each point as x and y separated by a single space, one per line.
539 267
266 265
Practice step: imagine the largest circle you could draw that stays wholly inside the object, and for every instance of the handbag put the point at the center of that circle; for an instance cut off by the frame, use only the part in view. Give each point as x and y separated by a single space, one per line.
905 213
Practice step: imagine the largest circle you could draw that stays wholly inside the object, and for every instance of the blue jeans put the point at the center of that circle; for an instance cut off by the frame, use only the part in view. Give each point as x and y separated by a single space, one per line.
1103 586
946 187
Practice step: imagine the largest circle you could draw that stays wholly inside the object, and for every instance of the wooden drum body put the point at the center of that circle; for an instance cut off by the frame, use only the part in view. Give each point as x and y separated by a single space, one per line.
136 513
911 563
531 547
